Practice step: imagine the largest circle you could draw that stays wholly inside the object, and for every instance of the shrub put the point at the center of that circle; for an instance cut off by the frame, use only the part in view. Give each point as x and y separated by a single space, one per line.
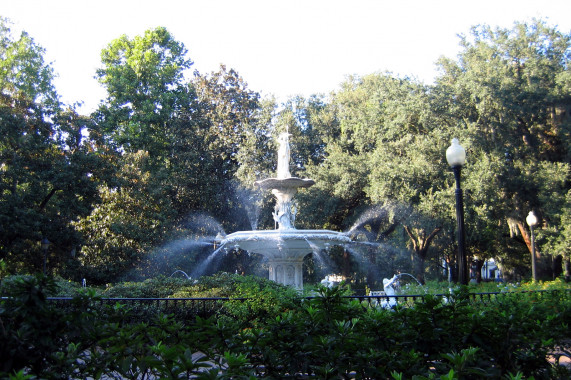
275 334
34 333
158 287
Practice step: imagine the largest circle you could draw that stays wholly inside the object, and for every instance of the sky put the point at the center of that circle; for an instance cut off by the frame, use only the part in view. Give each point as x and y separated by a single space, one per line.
280 48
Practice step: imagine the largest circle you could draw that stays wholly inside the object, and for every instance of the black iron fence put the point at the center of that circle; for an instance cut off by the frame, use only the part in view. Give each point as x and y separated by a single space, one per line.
411 299
187 307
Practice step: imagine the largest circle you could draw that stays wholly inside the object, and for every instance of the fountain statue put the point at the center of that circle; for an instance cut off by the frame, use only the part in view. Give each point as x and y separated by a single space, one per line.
284 247
389 289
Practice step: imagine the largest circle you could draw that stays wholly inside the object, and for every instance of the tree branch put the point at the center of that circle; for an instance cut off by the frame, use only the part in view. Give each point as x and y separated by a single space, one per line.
47 198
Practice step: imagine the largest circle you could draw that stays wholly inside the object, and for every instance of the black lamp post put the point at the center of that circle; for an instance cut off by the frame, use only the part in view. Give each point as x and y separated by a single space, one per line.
456 157
45 246
531 220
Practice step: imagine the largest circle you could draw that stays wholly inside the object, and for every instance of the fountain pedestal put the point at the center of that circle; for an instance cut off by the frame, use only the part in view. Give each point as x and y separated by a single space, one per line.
287 271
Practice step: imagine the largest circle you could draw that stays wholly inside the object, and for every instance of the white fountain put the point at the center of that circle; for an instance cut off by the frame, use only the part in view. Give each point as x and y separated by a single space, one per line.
284 247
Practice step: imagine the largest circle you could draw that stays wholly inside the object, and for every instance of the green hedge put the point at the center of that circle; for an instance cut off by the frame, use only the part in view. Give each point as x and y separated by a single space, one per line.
279 335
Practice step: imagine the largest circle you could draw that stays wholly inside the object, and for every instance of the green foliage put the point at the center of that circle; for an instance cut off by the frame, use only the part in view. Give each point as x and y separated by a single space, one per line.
144 80
332 337
23 71
179 143
504 99
263 300
110 189
68 288
49 170
509 103
157 287
127 224
279 335
32 330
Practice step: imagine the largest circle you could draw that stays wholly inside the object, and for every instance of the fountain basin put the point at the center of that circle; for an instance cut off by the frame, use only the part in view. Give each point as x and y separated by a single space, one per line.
284 243
284 183
285 249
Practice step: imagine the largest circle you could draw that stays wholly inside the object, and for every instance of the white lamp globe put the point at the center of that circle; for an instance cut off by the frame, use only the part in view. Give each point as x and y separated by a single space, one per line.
455 154
531 219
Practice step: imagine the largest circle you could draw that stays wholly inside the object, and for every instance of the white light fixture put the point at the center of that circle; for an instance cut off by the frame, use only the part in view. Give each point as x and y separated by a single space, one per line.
531 219
455 154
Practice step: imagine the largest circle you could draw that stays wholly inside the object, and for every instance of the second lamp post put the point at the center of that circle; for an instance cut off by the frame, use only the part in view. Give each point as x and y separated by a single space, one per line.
456 157
531 220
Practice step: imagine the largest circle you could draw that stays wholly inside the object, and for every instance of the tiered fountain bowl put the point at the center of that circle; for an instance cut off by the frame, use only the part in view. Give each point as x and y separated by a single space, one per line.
286 246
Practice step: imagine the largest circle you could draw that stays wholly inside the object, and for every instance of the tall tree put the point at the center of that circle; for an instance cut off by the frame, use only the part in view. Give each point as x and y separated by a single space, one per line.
238 131
144 79
189 132
389 124
228 107
49 170
23 71
510 92
132 218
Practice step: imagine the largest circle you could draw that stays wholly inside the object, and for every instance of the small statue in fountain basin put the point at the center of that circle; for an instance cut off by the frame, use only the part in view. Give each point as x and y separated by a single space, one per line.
389 289
332 280
284 247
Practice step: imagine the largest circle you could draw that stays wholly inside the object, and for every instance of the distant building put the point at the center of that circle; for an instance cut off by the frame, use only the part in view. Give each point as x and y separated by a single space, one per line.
490 271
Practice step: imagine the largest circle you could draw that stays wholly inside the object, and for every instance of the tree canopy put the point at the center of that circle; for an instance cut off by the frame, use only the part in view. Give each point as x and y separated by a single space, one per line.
171 155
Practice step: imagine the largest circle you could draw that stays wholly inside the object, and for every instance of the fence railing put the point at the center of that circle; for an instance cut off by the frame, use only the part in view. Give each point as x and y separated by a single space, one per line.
211 305
411 299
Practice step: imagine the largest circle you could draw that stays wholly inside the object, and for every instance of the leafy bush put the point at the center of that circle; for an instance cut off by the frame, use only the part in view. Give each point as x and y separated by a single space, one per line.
219 285
557 284
35 334
332 337
262 300
275 334
441 287
158 287
42 340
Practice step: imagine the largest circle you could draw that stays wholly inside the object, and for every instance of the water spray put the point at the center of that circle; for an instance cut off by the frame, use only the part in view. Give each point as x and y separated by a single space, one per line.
183 273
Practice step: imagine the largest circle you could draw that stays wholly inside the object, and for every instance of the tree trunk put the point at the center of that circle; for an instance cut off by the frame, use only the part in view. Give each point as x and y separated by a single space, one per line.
479 264
378 235
526 238
372 269
556 266
450 270
419 261
47 198
420 245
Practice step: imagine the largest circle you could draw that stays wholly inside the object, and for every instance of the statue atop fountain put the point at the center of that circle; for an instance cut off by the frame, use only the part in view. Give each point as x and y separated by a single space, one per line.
284 186
283 156
286 246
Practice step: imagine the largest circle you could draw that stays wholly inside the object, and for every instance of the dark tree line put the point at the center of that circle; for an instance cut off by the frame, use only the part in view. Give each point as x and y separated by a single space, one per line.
171 157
